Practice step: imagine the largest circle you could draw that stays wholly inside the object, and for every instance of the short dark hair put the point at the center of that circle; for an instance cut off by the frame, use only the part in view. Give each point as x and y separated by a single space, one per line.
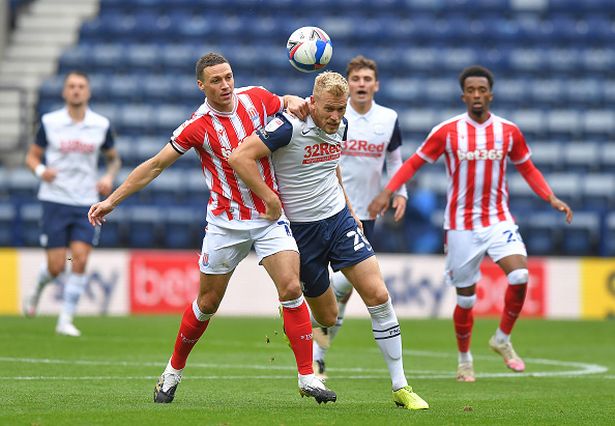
208 60
360 62
476 71
76 72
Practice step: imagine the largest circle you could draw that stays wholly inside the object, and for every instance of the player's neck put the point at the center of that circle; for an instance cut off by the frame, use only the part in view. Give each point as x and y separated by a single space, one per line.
479 118
362 107
77 113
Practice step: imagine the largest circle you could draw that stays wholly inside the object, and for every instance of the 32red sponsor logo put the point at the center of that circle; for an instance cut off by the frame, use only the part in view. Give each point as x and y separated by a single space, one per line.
364 146
320 152
76 146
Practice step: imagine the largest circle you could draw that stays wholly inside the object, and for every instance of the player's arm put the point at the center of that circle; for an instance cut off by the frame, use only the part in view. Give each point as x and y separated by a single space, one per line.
539 185
138 179
243 161
380 204
114 163
400 197
34 157
338 172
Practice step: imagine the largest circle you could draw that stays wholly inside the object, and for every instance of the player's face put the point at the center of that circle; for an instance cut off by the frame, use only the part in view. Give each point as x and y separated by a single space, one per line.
76 91
477 96
327 111
218 84
363 85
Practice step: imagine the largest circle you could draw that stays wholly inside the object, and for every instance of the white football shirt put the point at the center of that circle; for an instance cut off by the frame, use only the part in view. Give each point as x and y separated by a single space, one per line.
305 159
372 138
72 149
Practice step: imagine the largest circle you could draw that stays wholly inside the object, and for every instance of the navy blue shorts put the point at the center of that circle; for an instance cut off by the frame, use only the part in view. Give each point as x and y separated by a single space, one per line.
368 228
62 224
336 241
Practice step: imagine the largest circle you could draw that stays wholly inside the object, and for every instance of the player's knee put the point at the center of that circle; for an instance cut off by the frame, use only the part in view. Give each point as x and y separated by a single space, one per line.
518 276
208 304
326 319
341 286
466 302
55 269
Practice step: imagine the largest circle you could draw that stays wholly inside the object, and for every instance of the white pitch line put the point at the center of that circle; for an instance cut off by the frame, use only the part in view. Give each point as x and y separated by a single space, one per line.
580 369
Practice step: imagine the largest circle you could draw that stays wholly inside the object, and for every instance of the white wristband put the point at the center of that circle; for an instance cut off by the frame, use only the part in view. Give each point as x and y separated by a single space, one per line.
39 170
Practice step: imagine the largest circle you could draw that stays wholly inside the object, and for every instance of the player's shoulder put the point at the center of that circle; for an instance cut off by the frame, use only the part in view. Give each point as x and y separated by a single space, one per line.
503 120
384 112
56 116
448 123
94 118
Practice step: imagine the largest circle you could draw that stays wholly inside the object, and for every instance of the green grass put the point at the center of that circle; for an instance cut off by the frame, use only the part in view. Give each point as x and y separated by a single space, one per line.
234 377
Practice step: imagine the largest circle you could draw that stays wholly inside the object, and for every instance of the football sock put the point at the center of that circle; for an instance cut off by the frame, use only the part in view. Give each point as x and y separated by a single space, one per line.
513 303
319 353
44 278
193 325
465 357
388 337
463 319
73 289
298 329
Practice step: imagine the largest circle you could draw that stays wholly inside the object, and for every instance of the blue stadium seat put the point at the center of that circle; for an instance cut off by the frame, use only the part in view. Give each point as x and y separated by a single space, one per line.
29 225
144 225
598 191
8 215
608 241
581 236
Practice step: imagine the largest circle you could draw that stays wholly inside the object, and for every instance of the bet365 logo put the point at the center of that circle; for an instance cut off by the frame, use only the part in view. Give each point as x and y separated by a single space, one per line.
480 154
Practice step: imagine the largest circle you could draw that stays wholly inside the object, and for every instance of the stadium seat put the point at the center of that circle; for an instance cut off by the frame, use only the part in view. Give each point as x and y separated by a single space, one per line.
598 191
8 215
608 240
29 225
581 156
144 225
581 236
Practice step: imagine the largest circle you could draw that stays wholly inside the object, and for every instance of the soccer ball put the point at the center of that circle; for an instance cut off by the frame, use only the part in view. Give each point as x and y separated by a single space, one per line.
309 49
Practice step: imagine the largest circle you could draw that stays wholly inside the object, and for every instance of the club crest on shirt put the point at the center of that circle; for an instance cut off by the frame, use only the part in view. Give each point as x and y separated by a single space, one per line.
378 129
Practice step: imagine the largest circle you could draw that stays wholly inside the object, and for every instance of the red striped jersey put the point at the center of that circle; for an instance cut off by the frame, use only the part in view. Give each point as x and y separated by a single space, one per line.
475 157
214 135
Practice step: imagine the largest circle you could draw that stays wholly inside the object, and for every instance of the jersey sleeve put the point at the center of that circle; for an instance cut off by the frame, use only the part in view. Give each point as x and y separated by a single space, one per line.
187 135
109 140
345 135
277 133
519 151
433 147
41 137
395 141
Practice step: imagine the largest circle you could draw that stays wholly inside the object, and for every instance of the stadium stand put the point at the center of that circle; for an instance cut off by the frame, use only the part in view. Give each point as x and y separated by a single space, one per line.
553 62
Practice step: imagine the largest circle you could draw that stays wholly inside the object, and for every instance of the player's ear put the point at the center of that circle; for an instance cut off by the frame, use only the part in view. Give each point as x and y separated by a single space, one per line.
201 85
377 86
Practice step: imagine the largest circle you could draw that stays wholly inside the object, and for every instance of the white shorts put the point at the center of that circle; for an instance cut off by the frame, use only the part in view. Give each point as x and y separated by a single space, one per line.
224 248
465 250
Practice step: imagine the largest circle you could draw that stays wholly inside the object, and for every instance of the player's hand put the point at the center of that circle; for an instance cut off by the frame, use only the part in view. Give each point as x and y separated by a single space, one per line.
297 106
98 211
273 208
49 174
399 204
380 204
105 185
559 205
356 219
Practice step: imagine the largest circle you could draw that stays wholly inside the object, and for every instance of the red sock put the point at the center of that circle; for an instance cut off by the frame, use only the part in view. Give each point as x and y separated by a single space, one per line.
190 331
513 303
464 321
298 329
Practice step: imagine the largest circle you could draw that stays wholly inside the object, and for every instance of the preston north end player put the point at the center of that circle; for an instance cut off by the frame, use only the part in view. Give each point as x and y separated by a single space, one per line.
373 138
477 219
305 158
71 140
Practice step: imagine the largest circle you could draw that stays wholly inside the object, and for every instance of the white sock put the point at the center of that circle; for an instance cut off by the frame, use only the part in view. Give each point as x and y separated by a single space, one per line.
388 337
464 357
73 289
44 278
501 337
170 369
318 352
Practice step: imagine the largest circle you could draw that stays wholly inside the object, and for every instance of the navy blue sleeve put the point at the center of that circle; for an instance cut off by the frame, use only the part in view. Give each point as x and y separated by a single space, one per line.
345 136
395 141
41 137
277 133
109 140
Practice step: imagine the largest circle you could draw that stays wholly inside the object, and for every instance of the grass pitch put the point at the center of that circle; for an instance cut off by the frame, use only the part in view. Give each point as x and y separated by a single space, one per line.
242 373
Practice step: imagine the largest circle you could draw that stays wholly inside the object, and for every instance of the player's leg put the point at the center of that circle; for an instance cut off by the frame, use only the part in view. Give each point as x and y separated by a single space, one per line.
367 281
222 251
278 253
508 251
74 286
194 322
54 238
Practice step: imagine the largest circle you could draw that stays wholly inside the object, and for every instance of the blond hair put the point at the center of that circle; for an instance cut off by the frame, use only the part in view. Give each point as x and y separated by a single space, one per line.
331 82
